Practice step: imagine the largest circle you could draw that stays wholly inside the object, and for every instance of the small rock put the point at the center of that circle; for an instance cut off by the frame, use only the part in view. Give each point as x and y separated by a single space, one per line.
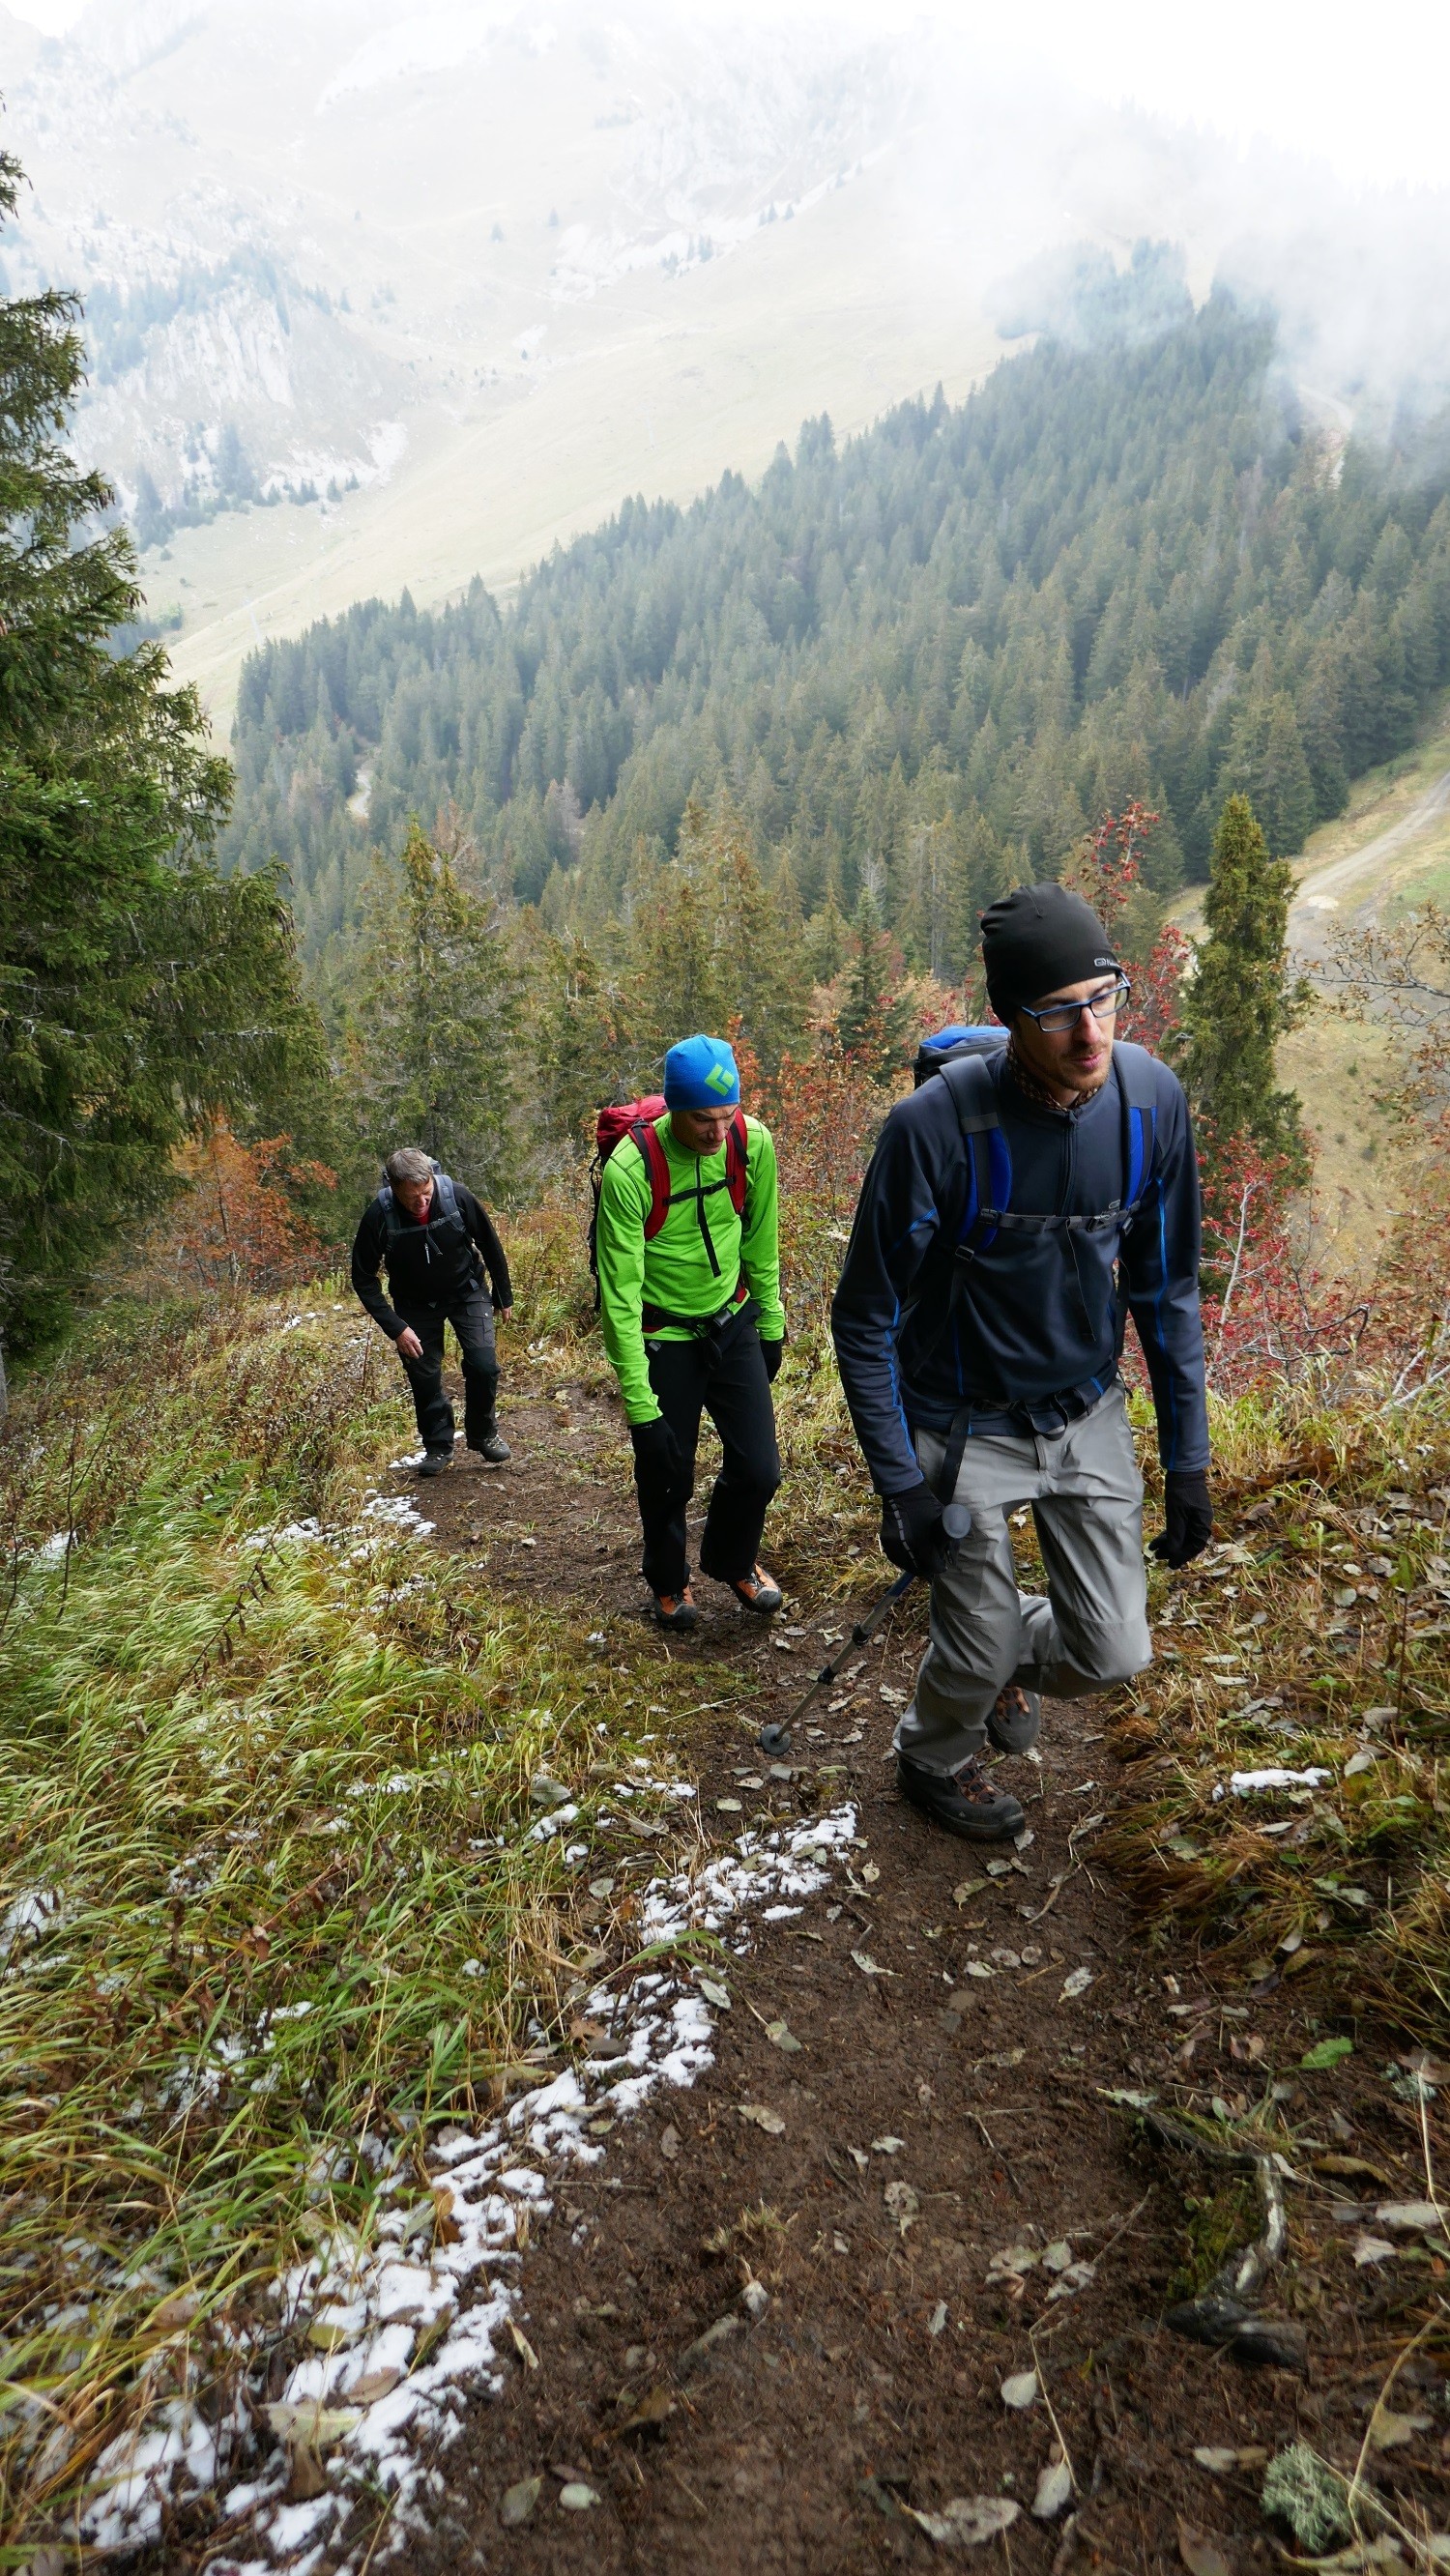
669 2143
1020 2391
576 2497
755 2299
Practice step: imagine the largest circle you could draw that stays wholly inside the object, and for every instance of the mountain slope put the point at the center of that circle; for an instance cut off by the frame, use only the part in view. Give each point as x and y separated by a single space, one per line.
919 664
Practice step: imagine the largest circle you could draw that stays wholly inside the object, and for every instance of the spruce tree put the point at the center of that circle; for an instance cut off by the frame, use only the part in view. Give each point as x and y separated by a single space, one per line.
1242 998
138 991
433 1034
875 1017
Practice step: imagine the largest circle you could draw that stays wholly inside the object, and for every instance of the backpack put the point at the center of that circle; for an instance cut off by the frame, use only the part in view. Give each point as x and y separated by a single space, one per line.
636 1118
445 1209
963 1061
443 1191
949 1045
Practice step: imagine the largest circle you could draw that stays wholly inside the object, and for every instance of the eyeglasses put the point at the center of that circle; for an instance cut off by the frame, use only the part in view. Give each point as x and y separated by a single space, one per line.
1061 1016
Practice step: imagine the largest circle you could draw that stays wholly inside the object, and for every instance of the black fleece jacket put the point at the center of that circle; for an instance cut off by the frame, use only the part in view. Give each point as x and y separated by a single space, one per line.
428 1265
1036 1315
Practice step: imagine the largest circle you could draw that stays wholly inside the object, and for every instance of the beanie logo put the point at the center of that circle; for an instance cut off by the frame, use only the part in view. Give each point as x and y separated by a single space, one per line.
717 1079
1105 961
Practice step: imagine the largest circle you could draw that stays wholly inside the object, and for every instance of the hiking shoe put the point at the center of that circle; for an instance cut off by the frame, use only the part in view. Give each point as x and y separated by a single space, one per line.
1014 1723
433 1462
676 1609
756 1591
966 1802
493 1447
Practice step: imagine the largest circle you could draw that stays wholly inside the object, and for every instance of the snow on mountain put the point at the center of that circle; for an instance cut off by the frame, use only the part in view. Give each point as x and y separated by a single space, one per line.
293 225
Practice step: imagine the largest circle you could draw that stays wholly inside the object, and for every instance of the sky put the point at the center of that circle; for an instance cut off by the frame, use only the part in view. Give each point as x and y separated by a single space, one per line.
1361 90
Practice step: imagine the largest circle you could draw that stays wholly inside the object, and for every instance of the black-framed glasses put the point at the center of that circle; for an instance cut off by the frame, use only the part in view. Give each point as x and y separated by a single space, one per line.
1060 1016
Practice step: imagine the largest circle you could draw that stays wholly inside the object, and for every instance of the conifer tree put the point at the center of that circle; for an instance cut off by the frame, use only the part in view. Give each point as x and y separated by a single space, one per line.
582 1052
139 992
706 946
875 1017
1242 999
432 1038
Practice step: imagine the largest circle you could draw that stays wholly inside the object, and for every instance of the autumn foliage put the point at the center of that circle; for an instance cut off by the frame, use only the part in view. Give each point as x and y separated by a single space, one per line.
236 1221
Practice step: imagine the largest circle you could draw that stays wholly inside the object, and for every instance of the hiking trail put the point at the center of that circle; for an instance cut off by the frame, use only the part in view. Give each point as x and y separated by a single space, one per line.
946 2198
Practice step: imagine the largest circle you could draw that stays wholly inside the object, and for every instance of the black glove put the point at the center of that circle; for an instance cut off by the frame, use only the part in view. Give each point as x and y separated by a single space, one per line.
912 1534
772 1353
1187 1515
657 1453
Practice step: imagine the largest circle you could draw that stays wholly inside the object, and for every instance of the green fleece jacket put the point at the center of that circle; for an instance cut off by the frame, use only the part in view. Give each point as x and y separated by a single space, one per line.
694 1263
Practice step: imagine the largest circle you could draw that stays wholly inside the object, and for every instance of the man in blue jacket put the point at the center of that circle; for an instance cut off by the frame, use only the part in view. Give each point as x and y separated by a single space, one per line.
1016 1207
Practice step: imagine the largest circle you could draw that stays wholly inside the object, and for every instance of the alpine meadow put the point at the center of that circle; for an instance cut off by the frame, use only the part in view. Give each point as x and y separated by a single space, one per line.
834 993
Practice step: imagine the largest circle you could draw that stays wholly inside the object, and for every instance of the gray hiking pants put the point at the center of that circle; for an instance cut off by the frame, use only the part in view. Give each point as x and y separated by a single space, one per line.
1091 1631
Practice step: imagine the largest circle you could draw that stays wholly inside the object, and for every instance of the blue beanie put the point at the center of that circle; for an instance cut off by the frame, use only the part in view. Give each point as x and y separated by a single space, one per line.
700 1074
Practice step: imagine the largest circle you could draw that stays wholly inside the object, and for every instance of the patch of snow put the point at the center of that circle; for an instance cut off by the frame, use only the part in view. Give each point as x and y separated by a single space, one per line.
460 2294
437 40
40 1909
1244 1784
398 1513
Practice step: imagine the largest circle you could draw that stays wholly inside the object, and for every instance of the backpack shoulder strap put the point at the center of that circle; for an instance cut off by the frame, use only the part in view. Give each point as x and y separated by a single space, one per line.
971 1081
657 1171
1136 1075
737 1161
445 1193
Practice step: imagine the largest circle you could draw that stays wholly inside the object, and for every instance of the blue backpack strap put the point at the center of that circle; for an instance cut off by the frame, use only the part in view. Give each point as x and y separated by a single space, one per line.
1134 1072
973 1089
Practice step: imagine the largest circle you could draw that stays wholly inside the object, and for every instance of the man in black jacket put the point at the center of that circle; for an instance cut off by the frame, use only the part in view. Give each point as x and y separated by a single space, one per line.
437 1244
1016 1207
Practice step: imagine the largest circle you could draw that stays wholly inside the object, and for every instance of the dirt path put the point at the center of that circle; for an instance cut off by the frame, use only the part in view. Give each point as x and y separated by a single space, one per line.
937 2050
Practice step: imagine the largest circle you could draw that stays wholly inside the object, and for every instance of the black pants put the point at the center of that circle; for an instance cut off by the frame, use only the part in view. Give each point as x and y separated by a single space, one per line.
724 1377
472 1319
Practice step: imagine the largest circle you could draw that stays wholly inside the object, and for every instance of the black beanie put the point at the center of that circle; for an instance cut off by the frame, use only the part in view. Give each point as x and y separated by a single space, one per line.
1037 939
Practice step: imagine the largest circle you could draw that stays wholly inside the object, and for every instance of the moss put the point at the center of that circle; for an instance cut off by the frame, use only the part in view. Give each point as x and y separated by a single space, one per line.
1310 2496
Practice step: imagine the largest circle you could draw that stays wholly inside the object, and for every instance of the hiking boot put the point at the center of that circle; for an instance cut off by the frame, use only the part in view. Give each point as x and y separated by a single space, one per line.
676 1609
433 1462
493 1447
756 1591
966 1802
1014 1722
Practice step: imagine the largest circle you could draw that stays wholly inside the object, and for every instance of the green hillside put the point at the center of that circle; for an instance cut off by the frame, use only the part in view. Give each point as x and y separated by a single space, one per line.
919 663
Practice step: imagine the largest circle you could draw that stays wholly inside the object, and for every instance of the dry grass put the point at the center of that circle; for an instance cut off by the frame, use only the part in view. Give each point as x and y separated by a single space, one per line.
271 1883
1314 1634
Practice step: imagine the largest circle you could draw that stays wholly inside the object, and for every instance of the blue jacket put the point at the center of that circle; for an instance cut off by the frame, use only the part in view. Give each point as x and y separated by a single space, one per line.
1035 1315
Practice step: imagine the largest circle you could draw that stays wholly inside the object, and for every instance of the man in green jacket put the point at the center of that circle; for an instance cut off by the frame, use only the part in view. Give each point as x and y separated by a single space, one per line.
693 1322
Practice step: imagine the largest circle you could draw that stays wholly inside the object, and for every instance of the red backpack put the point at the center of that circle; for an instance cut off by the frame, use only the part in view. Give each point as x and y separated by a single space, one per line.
636 1118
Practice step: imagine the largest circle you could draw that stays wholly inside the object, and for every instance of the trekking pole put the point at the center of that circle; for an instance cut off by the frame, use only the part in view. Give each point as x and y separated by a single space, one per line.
775 1738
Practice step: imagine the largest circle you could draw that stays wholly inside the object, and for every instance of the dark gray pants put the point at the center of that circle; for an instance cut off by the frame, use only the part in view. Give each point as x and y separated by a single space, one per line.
472 1321
1090 1632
